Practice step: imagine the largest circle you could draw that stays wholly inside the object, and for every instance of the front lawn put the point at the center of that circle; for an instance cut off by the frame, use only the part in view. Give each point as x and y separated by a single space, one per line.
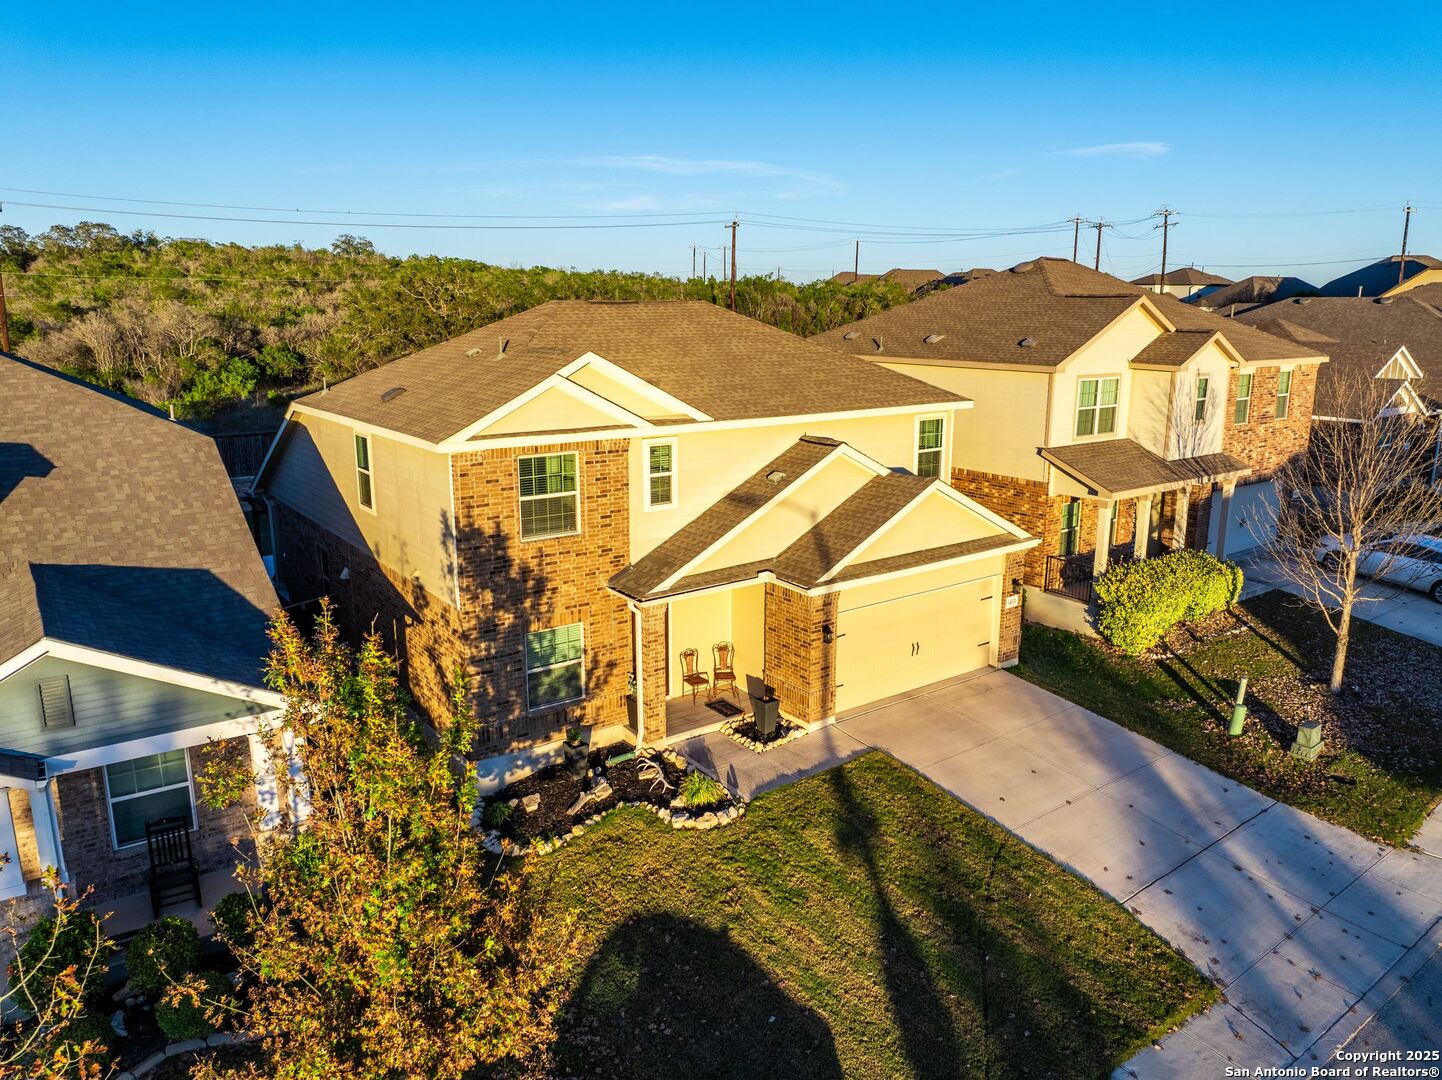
856 923
1380 771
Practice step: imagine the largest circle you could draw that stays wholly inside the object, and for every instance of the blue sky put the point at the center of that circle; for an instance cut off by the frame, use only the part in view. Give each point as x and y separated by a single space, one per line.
912 125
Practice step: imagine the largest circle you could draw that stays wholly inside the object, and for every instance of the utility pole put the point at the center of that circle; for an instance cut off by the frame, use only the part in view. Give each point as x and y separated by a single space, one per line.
1407 212
1166 214
693 260
4 318
734 223
703 265
1076 224
1099 225
856 265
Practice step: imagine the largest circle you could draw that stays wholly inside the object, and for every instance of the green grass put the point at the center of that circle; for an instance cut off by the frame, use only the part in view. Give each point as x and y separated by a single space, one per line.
1381 769
856 923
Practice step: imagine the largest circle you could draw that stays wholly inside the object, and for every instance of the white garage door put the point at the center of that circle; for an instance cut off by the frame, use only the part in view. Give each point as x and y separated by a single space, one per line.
897 645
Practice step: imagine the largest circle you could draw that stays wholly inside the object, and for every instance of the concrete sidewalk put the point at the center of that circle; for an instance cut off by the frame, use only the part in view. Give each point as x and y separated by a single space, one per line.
1308 927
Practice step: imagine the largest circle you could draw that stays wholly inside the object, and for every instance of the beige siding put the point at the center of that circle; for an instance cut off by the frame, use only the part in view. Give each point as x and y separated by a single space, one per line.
1151 408
1109 355
1000 433
1188 438
711 463
411 529
934 522
110 707
614 391
699 622
552 410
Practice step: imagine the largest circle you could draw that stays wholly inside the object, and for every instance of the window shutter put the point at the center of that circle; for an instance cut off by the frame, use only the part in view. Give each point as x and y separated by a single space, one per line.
55 705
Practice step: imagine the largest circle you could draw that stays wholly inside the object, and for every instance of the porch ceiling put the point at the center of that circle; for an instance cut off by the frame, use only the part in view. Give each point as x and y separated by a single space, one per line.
1121 468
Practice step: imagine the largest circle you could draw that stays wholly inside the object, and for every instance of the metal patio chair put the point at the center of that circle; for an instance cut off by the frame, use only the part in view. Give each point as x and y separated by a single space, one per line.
692 676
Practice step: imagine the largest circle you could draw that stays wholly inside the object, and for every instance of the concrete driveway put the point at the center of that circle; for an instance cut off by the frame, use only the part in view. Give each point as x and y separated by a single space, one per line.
1403 610
1308 927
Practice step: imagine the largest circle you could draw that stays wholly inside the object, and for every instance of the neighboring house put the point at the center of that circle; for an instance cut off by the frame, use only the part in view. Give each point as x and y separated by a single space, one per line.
1101 411
1252 292
564 502
1396 340
133 616
1188 283
1386 278
911 280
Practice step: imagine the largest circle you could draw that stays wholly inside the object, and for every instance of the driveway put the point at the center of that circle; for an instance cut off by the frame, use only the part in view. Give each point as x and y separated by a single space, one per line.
1308 927
1403 610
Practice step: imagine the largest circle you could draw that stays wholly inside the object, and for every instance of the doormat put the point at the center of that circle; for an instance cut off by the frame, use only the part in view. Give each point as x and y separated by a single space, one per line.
724 707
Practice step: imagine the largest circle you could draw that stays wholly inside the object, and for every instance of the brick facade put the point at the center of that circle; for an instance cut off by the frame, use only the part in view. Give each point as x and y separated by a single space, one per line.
221 838
1264 442
654 648
1008 640
800 664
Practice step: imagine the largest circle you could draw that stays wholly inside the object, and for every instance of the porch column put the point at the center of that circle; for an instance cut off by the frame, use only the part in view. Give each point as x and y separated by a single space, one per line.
267 786
1101 550
1142 529
1223 515
47 828
12 878
296 780
1179 519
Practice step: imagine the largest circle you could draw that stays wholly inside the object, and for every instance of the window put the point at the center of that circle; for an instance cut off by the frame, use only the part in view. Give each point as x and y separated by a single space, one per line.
1096 411
1115 526
555 668
929 436
363 472
550 505
1243 410
660 474
1284 393
1070 527
1199 412
147 789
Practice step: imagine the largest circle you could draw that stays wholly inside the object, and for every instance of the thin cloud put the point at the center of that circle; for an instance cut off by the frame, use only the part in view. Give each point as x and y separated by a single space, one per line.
1120 149
670 166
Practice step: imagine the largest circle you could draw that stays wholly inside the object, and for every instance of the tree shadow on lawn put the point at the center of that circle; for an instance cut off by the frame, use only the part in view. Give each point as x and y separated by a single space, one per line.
665 997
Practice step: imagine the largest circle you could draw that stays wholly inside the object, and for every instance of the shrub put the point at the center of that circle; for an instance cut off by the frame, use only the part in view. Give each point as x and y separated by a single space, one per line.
1138 603
90 1028
497 813
79 943
698 789
162 954
232 916
182 1012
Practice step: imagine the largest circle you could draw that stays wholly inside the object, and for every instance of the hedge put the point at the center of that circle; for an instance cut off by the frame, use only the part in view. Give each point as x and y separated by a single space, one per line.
1139 602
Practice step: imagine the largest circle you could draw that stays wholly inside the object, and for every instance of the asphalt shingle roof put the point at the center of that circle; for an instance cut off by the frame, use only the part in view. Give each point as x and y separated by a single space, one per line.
1118 467
1376 278
120 531
1037 313
726 365
1187 275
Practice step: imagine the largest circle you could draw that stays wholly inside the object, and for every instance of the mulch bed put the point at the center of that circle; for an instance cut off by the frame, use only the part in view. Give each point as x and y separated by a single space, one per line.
224 1059
558 790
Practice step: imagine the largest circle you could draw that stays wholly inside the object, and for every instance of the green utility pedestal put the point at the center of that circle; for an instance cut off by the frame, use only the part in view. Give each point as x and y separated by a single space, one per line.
1308 743
1239 709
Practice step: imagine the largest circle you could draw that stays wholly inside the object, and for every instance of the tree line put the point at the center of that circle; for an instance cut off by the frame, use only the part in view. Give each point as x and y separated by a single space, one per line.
205 327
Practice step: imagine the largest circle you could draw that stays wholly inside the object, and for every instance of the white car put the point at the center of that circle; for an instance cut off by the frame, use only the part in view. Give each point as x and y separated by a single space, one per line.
1413 561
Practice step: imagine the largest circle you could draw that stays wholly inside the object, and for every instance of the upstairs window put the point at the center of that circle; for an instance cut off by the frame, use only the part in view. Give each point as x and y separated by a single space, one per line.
1096 411
660 474
364 491
1070 527
148 789
550 502
1284 393
1199 410
555 666
1242 411
930 433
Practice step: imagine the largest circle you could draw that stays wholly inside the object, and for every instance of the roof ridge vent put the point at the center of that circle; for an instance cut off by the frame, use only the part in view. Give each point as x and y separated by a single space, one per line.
932 339
851 335
1027 342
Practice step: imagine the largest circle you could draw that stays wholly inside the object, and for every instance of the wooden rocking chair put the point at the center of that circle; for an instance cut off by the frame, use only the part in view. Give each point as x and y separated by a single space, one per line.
723 671
173 878
691 676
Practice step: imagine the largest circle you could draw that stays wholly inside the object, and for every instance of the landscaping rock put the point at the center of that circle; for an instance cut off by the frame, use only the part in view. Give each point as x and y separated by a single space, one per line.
532 802
707 820
117 1023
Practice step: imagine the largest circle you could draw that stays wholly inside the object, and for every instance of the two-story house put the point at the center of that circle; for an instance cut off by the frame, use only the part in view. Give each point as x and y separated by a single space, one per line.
1107 420
577 504
133 637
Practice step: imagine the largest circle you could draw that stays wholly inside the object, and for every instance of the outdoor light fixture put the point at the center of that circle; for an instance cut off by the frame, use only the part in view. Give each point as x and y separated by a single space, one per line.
827 637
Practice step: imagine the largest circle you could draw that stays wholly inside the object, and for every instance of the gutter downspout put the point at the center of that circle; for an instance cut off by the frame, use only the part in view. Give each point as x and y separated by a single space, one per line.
637 619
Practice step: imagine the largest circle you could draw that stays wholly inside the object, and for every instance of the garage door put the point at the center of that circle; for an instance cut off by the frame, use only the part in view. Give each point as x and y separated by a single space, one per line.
897 645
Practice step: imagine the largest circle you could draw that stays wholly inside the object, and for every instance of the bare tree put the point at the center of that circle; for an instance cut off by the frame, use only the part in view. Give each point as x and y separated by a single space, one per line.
1363 482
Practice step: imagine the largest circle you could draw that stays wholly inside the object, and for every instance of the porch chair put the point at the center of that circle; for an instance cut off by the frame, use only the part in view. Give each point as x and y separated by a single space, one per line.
723 670
693 677
173 878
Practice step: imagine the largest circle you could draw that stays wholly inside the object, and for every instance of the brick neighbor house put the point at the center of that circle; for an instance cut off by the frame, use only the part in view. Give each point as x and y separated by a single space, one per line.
133 614
567 502
1107 420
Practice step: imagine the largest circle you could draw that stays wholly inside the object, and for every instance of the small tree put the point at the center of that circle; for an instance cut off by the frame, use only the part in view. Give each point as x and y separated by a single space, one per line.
387 944
1365 479
53 972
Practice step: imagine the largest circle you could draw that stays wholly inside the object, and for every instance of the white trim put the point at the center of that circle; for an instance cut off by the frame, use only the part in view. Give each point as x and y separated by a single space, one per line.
871 540
1248 375
646 474
64 650
368 472
943 464
521 500
189 785
180 738
1142 302
1096 409
24 658
580 661
1404 357
551 382
632 382
281 433
300 408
